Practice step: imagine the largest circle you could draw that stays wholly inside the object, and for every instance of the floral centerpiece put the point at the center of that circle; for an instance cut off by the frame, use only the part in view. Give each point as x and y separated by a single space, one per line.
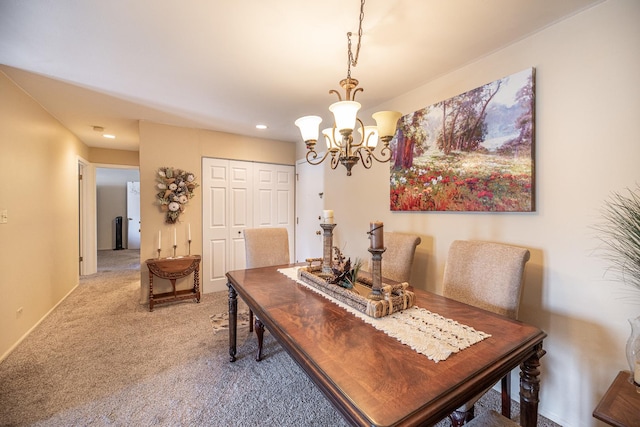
175 189
344 274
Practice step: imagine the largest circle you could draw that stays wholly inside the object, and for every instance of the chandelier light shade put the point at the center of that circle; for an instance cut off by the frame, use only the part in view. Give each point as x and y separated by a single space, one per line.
339 138
309 127
386 122
345 114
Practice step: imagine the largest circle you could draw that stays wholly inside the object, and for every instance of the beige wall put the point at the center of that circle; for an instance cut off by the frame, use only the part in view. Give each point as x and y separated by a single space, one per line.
114 157
183 148
587 145
39 189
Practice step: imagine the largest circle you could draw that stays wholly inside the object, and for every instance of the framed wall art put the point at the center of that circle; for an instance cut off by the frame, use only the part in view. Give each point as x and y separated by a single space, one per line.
473 152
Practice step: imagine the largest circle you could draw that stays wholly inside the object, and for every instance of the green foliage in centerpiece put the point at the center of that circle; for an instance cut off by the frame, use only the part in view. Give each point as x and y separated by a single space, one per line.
343 273
621 235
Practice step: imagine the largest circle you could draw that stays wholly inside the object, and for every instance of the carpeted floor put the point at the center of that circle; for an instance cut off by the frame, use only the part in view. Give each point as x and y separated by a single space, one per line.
102 359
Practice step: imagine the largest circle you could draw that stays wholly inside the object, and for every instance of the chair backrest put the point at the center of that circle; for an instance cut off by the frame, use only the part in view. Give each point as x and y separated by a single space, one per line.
266 246
486 275
398 258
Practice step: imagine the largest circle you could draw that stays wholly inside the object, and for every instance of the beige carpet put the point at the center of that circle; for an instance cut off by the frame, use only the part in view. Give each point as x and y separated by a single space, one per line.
102 359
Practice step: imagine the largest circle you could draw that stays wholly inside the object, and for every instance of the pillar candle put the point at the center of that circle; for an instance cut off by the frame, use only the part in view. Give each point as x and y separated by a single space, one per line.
377 239
327 216
159 239
189 229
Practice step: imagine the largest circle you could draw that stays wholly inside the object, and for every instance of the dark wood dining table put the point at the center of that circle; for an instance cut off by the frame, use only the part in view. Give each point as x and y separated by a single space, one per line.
374 379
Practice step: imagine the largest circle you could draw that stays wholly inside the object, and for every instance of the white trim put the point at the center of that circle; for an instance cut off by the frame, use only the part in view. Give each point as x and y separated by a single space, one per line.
88 219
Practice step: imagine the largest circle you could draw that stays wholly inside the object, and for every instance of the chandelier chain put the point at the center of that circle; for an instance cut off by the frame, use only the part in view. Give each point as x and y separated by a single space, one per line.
353 60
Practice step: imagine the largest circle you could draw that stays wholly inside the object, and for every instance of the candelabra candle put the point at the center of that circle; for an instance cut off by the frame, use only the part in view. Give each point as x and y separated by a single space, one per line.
376 273
377 235
327 245
327 216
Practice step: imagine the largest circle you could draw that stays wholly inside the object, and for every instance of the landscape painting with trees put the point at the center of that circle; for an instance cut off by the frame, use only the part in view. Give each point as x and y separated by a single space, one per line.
472 152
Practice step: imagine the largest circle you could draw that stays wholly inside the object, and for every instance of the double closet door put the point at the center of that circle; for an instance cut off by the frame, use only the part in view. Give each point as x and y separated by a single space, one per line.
238 195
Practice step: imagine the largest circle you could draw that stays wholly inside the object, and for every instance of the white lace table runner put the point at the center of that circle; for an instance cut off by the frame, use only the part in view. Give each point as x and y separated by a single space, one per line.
425 332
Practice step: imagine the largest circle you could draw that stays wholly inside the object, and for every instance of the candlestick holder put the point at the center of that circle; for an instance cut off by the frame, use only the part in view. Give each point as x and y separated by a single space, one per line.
158 253
174 250
189 253
327 246
376 274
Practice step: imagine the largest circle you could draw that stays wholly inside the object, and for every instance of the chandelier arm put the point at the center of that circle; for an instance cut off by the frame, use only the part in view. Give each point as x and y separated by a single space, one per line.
312 155
353 96
366 158
337 93
385 154
335 161
361 143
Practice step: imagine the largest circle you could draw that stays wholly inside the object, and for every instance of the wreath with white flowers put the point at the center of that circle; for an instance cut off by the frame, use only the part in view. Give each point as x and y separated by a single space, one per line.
176 188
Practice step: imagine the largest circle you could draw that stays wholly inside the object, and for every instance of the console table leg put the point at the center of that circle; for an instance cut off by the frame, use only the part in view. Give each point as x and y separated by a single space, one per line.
233 321
150 291
530 387
196 284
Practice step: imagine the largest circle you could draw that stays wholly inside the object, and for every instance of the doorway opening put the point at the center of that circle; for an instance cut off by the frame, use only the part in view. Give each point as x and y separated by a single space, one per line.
117 217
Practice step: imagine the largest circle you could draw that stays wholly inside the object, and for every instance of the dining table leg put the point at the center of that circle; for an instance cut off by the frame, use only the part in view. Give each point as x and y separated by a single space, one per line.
530 387
233 321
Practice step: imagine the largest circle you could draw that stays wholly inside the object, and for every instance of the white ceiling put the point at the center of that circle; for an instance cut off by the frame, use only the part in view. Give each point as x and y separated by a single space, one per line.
227 65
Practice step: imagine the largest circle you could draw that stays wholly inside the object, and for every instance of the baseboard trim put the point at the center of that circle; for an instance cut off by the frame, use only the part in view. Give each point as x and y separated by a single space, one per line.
26 334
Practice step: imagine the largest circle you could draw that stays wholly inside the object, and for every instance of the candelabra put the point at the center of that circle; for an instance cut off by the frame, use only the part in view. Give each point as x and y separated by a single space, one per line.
189 253
376 273
158 253
174 250
327 245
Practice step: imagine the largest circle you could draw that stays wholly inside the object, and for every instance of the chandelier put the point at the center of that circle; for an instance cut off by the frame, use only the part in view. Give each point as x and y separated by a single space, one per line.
340 141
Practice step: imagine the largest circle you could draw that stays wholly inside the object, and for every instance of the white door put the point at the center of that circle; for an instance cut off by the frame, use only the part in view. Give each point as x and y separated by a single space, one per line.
274 190
215 223
241 211
309 204
238 195
133 215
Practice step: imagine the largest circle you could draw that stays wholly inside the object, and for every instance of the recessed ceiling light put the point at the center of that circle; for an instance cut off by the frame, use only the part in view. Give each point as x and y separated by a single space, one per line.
106 135
261 126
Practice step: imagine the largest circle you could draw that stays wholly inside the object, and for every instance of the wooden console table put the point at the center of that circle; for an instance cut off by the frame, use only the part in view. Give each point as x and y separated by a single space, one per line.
173 269
620 405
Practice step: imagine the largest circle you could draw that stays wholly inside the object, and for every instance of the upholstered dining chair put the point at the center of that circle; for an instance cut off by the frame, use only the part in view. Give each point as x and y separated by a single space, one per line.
264 247
489 276
397 260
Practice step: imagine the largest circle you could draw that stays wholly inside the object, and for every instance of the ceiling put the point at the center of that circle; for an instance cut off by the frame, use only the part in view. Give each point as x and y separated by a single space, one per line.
229 65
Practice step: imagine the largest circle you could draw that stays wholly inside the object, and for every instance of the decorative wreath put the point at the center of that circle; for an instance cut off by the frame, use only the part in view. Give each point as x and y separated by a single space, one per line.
176 188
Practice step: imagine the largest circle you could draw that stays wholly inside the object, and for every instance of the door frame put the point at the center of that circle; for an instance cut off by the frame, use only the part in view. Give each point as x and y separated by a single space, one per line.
87 219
